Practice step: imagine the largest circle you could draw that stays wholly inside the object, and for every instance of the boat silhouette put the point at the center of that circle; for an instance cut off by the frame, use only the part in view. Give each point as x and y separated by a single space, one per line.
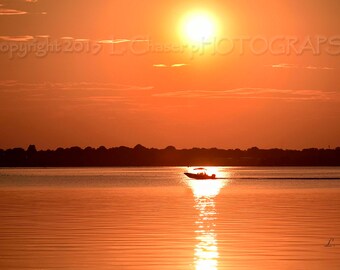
200 174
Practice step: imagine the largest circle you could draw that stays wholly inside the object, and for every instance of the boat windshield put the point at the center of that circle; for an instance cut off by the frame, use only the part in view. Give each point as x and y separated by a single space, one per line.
200 169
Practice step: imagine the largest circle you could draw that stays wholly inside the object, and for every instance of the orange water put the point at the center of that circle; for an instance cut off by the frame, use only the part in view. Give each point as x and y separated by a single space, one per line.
154 218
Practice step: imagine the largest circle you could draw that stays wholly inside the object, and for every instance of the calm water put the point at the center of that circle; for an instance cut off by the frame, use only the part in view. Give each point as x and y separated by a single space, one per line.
154 218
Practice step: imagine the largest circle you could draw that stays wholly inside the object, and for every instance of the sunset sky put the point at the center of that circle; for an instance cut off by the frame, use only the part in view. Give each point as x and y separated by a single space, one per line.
107 72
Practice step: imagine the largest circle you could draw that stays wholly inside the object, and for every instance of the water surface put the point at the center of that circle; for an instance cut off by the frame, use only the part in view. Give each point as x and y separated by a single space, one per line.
155 218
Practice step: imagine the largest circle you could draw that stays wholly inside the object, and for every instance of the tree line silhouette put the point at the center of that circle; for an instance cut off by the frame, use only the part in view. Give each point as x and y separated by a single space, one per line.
170 156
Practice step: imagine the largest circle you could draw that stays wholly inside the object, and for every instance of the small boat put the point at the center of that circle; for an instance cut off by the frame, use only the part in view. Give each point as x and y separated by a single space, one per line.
201 174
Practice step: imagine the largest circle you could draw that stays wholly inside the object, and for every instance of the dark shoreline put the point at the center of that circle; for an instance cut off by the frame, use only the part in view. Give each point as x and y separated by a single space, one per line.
141 156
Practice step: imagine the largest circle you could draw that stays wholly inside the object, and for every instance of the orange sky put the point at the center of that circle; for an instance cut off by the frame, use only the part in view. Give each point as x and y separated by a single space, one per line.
116 73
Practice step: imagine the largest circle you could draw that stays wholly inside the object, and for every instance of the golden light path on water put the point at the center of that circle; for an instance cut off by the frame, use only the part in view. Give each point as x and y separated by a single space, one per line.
206 250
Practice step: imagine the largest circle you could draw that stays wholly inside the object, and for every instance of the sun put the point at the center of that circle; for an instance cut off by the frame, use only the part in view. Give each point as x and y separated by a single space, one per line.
199 27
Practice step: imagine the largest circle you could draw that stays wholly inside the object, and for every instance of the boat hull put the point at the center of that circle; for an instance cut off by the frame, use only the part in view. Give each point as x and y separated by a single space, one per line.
200 176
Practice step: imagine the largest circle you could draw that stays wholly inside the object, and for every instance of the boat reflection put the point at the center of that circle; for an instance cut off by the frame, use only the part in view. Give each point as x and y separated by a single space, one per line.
206 250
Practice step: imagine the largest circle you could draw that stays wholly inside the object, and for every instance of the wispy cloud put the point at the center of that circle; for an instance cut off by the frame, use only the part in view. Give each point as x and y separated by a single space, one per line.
160 65
16 38
9 12
42 36
319 67
15 86
75 39
283 65
179 65
289 66
87 92
117 41
113 41
169 66
254 93
82 40
78 39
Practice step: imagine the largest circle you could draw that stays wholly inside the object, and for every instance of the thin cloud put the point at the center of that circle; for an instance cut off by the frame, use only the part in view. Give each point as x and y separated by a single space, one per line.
42 36
160 65
103 98
319 67
72 92
254 93
289 66
113 41
82 39
117 41
16 38
169 66
284 66
10 12
7 83
15 86
77 39
179 65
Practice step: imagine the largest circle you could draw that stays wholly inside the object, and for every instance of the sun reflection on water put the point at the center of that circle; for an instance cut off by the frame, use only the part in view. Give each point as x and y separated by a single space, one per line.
206 250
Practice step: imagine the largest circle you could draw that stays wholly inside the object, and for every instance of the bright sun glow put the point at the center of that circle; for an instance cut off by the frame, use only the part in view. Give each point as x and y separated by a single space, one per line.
207 188
199 27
